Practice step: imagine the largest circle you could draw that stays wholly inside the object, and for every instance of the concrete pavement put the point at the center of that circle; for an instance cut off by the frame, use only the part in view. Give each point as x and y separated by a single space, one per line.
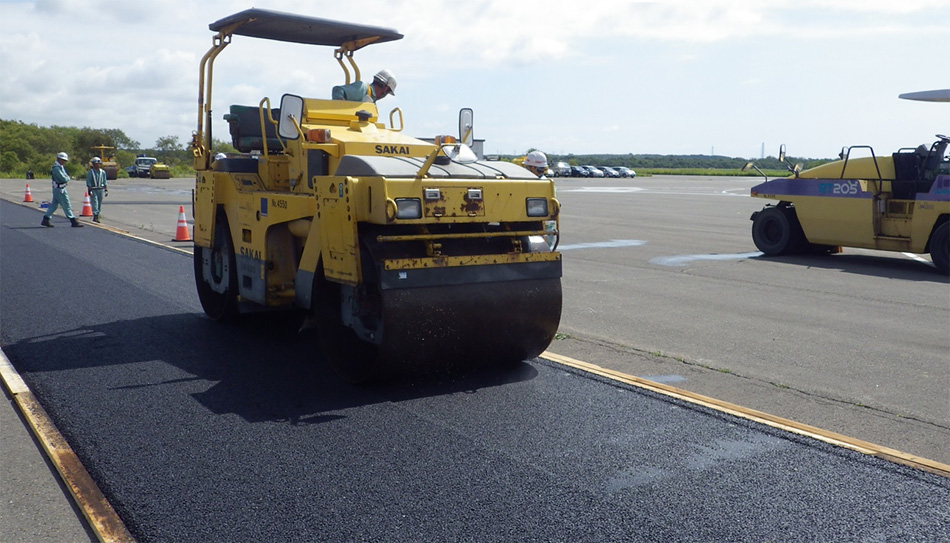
36 507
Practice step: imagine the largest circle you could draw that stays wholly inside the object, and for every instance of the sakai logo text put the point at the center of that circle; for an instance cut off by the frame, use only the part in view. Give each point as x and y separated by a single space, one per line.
250 253
392 150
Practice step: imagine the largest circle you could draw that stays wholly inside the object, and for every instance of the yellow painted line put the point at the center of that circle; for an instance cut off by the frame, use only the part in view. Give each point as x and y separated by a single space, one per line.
128 234
787 425
99 513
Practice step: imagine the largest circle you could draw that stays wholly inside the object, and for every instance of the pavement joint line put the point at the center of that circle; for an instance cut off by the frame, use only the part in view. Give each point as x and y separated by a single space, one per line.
121 232
834 438
96 509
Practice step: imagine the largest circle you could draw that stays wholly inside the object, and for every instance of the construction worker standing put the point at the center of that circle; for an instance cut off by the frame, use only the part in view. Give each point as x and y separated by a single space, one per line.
96 183
60 196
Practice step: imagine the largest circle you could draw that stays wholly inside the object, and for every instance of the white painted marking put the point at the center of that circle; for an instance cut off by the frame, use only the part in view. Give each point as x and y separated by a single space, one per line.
602 244
683 260
743 192
664 379
736 192
918 258
602 189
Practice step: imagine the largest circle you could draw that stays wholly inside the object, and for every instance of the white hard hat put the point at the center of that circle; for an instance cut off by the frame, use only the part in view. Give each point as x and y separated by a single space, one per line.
96 160
387 78
220 156
62 156
536 159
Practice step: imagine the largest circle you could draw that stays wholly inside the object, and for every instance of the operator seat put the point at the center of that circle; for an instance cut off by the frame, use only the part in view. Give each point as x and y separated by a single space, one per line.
244 124
906 174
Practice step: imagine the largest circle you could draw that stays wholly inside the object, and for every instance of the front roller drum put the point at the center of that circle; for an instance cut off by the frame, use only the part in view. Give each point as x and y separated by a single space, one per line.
470 325
447 328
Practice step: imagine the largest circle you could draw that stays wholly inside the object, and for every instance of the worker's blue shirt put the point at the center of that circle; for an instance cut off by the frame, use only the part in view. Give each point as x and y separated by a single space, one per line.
358 91
58 173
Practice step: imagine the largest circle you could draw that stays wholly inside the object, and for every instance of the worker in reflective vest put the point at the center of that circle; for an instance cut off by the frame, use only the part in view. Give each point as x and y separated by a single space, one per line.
60 196
96 183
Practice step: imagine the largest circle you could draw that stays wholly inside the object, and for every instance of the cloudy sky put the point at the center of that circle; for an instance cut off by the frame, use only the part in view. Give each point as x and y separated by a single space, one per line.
565 76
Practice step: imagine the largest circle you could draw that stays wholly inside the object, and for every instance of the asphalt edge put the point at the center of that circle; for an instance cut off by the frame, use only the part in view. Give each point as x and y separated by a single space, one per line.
98 512
788 425
119 231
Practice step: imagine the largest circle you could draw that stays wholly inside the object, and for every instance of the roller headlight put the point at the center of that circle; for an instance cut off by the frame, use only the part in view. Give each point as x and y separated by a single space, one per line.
408 208
537 207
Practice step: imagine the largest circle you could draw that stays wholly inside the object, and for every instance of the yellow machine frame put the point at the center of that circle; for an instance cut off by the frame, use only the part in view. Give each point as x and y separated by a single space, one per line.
326 194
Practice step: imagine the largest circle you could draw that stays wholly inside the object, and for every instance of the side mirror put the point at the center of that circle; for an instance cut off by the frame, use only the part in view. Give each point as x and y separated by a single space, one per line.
291 112
751 166
781 153
466 125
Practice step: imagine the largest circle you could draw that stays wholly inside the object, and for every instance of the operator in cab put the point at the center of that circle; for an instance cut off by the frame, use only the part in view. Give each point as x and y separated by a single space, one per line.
536 162
384 84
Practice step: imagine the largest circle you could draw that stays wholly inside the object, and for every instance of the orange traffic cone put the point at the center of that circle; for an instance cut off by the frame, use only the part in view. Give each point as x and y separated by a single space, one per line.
181 233
29 195
86 207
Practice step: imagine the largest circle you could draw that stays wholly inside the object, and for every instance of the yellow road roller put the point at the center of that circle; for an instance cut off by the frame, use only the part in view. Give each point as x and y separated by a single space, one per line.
403 252
895 202
109 164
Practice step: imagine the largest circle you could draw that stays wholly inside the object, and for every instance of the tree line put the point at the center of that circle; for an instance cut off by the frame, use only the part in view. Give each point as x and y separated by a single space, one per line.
28 147
680 162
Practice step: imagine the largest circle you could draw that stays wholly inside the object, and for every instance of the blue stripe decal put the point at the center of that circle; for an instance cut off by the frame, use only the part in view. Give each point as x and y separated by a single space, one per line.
837 188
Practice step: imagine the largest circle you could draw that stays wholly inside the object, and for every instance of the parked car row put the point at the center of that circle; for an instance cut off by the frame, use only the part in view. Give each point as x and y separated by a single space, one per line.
562 169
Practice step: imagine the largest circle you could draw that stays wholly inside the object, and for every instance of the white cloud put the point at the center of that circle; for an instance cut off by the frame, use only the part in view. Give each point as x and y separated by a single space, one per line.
537 71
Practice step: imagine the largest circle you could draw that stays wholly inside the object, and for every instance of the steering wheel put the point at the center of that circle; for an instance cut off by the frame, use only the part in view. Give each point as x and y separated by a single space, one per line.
943 138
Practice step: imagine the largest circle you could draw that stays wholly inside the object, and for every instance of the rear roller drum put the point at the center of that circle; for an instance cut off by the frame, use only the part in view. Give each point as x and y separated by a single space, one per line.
216 274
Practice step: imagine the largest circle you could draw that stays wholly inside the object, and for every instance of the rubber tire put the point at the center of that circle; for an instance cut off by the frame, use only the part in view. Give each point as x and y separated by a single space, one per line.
218 306
940 248
775 231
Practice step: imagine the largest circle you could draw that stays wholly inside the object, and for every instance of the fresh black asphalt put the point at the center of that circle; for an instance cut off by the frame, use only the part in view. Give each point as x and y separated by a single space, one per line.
199 431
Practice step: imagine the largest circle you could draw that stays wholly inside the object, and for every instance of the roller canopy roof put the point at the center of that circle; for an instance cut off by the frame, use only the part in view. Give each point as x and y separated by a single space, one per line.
275 25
